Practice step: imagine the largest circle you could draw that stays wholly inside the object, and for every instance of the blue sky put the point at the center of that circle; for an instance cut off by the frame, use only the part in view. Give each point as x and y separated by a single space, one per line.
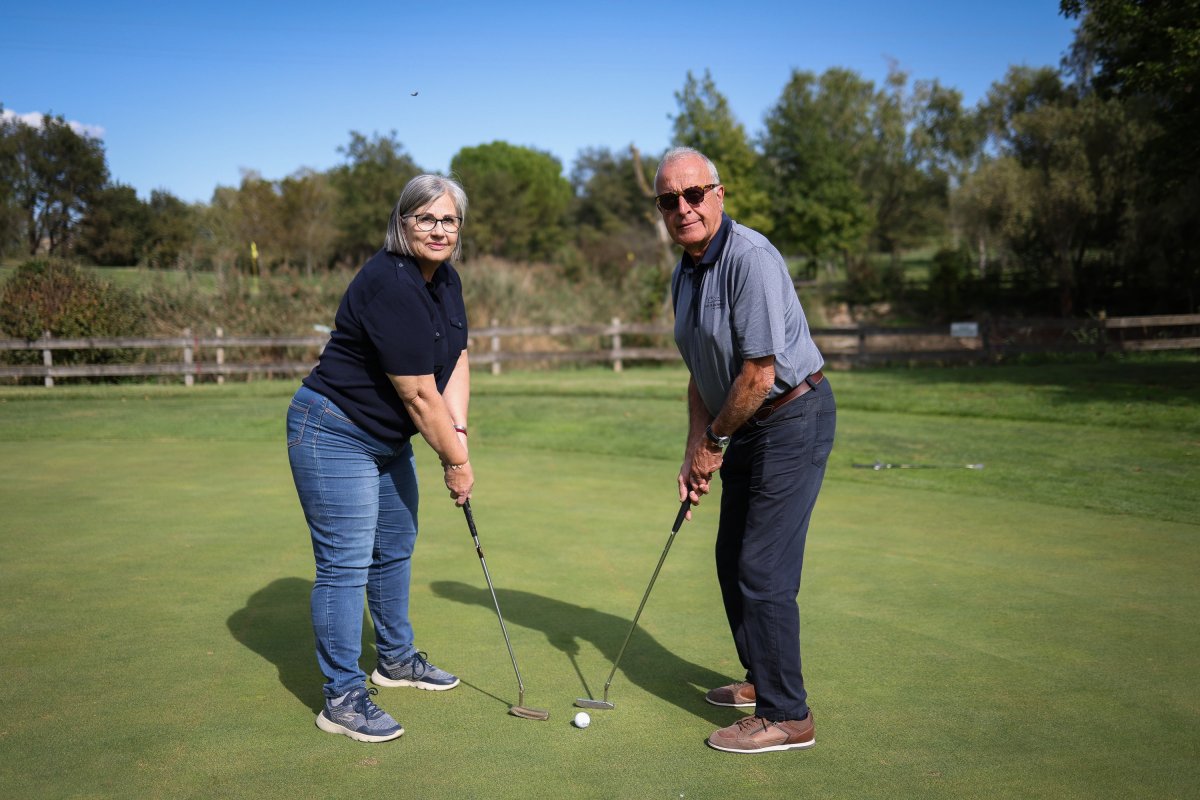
185 95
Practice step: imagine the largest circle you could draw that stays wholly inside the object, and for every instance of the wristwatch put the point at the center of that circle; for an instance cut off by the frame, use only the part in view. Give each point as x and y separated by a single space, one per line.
720 441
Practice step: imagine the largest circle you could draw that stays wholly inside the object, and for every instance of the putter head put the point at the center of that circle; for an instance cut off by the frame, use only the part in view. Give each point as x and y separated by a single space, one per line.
525 712
587 702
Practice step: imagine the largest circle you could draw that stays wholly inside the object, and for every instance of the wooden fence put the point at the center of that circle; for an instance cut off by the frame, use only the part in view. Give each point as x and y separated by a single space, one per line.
191 357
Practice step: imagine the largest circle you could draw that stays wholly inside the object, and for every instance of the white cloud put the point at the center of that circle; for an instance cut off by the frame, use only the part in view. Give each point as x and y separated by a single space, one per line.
34 120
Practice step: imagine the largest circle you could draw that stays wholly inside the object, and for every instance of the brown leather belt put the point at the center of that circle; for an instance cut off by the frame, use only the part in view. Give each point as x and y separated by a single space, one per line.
771 406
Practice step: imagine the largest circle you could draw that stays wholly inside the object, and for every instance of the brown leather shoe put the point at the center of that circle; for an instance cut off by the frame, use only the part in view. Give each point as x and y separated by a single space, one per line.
758 735
735 695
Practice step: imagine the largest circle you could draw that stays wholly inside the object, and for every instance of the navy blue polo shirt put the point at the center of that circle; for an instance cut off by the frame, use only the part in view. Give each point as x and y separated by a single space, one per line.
390 321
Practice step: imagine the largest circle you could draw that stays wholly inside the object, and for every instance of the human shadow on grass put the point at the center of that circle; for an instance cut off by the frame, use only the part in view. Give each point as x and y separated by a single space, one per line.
646 663
276 623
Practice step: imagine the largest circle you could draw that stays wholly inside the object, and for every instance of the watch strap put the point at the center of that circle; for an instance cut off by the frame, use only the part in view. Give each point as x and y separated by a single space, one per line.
720 441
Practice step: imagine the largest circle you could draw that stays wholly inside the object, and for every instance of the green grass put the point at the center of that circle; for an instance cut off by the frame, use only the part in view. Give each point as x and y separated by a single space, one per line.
1026 630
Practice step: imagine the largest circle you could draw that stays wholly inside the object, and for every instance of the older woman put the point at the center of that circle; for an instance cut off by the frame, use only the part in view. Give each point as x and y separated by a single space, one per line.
395 366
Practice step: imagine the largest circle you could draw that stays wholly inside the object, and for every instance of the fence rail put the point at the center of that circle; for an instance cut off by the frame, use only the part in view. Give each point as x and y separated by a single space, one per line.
842 346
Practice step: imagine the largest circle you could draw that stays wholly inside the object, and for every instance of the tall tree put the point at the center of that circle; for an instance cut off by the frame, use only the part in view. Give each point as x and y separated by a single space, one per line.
219 239
52 173
613 220
309 202
817 136
12 235
172 231
1146 55
706 123
115 230
905 179
368 186
519 200
259 220
1062 177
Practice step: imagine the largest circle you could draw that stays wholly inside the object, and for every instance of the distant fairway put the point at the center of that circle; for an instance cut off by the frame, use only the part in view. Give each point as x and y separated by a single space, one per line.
1027 630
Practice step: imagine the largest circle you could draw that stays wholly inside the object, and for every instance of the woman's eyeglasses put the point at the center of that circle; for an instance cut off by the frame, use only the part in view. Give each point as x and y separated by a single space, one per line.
694 195
427 222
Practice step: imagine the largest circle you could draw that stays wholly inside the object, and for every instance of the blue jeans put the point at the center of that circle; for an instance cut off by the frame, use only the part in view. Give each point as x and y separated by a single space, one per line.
770 478
360 500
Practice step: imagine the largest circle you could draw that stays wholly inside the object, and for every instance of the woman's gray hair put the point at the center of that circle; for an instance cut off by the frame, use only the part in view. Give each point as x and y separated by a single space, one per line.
419 193
676 153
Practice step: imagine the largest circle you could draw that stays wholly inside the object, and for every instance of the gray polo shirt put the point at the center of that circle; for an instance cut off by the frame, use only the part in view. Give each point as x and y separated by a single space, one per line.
739 302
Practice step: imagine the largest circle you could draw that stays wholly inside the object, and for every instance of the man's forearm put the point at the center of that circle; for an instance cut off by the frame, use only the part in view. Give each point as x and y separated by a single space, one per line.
750 388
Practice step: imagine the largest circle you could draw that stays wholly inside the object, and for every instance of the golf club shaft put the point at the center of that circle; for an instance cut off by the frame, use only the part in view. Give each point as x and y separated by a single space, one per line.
487 577
880 465
683 509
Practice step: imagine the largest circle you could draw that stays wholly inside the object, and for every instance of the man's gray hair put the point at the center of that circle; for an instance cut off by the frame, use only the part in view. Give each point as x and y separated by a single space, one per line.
676 153
417 194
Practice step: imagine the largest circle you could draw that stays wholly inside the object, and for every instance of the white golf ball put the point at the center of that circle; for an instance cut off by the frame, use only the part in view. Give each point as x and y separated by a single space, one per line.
582 720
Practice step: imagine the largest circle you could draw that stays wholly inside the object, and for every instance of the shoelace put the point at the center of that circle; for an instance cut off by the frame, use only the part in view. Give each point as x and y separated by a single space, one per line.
364 705
420 664
746 723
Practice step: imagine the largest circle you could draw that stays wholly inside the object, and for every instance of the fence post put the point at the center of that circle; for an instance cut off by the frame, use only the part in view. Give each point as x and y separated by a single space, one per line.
47 361
220 357
616 345
862 346
188 358
495 349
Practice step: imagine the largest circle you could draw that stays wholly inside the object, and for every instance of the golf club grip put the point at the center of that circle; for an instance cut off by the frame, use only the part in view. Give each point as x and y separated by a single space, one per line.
682 515
470 520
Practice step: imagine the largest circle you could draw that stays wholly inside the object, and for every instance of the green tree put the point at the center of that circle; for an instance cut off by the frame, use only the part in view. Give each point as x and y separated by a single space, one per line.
606 189
1146 55
519 201
904 180
613 219
219 239
1058 187
258 221
51 174
1146 50
308 205
816 140
172 232
12 236
116 228
706 123
368 186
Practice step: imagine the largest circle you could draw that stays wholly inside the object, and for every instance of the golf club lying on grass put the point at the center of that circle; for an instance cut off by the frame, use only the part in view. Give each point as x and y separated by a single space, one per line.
519 710
878 465
587 702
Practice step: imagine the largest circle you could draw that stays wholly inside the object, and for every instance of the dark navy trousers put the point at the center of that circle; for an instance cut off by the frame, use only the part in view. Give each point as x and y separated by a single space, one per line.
770 479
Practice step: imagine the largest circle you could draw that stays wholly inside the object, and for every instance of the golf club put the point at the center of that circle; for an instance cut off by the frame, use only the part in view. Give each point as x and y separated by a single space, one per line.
587 702
878 465
519 710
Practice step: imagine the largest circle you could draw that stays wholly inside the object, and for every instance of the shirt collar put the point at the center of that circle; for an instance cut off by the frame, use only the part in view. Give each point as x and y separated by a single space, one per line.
441 276
714 247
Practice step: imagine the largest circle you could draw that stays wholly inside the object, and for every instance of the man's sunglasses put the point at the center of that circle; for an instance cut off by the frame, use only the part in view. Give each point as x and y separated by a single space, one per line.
694 195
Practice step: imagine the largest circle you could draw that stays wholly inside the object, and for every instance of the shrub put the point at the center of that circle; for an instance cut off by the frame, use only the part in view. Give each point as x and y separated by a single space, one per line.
67 301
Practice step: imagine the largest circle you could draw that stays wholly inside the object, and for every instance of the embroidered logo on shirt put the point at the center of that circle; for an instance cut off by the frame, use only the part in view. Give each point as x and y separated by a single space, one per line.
714 302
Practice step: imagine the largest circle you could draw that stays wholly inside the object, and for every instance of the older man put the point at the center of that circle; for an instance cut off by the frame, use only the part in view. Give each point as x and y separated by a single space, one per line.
761 413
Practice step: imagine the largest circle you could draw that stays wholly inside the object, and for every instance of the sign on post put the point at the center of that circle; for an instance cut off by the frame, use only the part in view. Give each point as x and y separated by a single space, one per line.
964 330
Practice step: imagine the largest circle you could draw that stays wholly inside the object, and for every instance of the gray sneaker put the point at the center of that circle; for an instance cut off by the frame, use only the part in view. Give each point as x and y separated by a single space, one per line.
413 671
355 715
